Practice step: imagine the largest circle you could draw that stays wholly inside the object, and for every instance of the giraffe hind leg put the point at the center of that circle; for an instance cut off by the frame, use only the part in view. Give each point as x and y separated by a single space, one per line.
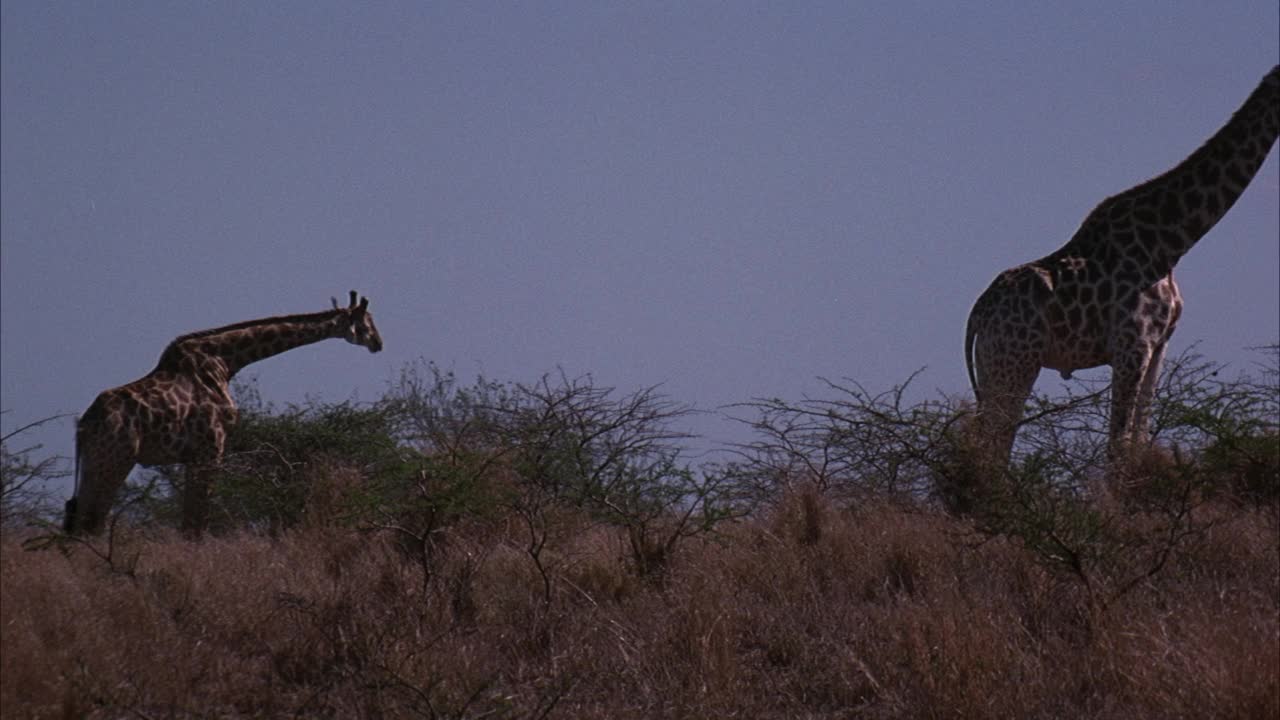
1005 411
1005 383
87 512
1006 377
69 511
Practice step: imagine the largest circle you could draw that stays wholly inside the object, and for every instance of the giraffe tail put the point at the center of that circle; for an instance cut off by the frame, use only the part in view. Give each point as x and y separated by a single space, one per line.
970 336
69 510
71 517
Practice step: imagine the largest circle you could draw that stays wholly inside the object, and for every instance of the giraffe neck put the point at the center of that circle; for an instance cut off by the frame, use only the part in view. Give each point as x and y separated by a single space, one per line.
1172 212
242 344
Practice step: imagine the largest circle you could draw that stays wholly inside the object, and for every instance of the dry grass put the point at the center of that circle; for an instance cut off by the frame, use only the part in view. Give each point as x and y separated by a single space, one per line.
811 612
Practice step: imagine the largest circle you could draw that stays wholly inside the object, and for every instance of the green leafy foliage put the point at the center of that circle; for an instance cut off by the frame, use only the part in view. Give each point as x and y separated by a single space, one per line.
277 462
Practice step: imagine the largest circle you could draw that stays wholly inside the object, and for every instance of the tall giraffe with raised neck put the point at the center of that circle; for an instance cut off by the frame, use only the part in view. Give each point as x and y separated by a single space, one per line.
181 411
1108 296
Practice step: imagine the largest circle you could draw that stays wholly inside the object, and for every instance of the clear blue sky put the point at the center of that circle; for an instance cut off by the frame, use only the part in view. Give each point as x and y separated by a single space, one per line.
731 199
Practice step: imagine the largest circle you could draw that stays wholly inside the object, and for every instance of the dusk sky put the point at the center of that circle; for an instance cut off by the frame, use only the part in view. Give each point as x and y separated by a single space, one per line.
727 199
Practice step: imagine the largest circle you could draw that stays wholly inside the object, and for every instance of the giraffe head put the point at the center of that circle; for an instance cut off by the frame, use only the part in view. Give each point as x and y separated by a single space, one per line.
356 323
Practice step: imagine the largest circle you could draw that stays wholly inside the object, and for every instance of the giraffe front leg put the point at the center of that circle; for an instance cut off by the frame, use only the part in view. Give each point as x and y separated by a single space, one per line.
1126 379
195 496
195 501
1145 397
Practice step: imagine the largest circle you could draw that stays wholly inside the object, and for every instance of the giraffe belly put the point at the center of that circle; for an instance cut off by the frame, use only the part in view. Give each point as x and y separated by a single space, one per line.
169 443
1077 330
1078 351
158 453
1067 366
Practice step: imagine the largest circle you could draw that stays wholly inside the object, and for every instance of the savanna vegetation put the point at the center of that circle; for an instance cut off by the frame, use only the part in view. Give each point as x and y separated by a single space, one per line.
544 550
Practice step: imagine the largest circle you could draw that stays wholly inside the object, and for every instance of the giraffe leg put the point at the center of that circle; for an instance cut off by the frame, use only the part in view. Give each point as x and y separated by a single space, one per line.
1005 411
1127 374
1000 408
1141 423
1006 373
195 501
195 496
100 483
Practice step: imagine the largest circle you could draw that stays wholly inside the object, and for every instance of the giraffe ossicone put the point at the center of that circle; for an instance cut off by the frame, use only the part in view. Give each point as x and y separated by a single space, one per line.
181 411
1108 296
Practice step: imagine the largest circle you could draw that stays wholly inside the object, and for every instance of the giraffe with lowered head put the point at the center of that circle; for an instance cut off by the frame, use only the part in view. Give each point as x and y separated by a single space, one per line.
1108 296
181 411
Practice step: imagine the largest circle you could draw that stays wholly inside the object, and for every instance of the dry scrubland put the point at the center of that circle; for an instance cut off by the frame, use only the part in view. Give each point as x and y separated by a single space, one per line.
810 612
528 552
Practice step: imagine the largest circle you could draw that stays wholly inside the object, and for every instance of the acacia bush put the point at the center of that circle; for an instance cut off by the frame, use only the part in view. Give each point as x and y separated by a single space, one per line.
545 458
24 476
540 452
279 463
1109 529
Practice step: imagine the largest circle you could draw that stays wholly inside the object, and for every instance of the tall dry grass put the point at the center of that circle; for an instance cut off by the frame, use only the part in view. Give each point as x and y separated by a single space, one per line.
811 611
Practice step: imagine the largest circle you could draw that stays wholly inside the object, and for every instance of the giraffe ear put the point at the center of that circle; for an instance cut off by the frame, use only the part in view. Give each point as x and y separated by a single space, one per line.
353 299
335 302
